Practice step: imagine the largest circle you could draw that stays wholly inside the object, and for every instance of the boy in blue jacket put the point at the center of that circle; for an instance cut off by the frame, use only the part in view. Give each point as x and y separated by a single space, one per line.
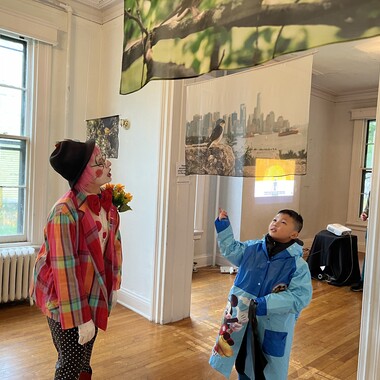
272 286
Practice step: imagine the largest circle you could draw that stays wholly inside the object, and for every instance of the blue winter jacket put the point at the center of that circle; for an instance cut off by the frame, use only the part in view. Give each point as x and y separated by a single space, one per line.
281 286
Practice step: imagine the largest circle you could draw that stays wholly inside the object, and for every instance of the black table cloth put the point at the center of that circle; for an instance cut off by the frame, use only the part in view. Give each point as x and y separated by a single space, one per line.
339 256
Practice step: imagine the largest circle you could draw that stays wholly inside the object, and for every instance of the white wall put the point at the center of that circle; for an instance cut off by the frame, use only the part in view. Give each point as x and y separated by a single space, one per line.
75 86
137 168
315 193
230 199
157 234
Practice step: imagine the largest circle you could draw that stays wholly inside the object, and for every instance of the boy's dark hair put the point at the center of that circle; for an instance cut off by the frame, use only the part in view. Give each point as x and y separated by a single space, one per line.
298 220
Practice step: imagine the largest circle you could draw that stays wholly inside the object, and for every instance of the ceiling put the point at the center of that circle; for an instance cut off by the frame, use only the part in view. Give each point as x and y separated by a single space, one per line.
347 67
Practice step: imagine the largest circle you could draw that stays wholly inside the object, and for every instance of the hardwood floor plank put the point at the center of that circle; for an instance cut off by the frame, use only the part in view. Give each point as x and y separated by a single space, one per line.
325 344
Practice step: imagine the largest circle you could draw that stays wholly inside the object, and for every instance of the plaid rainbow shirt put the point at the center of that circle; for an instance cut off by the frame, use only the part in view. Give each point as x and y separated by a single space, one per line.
74 279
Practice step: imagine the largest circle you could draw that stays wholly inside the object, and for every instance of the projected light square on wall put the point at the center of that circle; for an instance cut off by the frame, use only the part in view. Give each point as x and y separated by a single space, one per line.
273 178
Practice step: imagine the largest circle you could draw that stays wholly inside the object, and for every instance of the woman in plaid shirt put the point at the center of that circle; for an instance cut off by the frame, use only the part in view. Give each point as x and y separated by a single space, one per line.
78 269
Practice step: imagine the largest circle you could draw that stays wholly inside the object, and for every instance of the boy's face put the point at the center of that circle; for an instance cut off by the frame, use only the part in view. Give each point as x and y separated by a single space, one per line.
282 228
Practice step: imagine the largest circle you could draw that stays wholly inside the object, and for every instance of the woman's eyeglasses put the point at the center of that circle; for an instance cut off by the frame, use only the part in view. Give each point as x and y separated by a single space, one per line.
100 160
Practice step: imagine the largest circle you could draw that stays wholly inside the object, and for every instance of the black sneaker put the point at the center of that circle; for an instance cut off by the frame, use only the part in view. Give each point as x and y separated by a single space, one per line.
357 287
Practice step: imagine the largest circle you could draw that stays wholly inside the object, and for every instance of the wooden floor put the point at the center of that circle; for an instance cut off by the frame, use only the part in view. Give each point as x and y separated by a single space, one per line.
325 345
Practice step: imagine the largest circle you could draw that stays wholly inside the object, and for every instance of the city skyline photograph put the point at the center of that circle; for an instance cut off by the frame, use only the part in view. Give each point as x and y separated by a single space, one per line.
256 124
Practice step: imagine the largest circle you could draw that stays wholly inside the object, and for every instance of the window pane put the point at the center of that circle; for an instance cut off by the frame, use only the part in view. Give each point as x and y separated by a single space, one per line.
371 131
366 187
12 186
12 60
369 157
12 211
11 111
12 163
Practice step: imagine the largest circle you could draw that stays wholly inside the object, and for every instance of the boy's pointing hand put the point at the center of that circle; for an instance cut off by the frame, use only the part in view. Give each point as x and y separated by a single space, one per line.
222 214
222 221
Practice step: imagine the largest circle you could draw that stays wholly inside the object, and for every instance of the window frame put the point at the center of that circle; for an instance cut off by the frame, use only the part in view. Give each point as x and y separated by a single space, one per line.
360 118
366 171
24 134
37 117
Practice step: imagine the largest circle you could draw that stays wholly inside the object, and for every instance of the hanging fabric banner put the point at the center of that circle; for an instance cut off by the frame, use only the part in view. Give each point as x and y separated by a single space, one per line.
251 124
170 39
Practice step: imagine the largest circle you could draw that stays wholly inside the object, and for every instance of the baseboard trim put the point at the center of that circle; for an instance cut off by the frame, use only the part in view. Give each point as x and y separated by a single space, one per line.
135 302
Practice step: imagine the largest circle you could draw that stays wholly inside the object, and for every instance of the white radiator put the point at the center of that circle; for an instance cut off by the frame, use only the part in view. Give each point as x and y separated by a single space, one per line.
16 272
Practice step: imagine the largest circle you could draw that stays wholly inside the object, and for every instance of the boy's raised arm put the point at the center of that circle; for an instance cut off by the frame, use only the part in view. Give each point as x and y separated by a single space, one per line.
222 221
230 248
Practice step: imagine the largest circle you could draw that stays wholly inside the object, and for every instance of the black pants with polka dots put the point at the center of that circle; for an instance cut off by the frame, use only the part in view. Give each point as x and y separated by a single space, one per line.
73 358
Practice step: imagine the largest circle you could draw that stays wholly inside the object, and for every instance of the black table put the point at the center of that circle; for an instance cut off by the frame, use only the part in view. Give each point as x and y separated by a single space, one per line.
339 256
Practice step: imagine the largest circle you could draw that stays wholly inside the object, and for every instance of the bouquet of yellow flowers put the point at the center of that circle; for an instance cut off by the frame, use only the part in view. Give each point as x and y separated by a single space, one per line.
120 198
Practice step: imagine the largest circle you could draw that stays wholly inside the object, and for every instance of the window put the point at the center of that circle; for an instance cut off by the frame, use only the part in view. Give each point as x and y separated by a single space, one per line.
364 120
367 163
25 77
14 137
26 66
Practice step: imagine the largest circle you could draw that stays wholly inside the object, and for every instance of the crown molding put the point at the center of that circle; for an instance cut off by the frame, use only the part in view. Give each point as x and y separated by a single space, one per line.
365 95
114 10
358 95
98 11
98 4
322 94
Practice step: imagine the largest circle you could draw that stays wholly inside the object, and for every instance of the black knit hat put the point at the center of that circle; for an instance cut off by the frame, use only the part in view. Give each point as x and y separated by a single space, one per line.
70 158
